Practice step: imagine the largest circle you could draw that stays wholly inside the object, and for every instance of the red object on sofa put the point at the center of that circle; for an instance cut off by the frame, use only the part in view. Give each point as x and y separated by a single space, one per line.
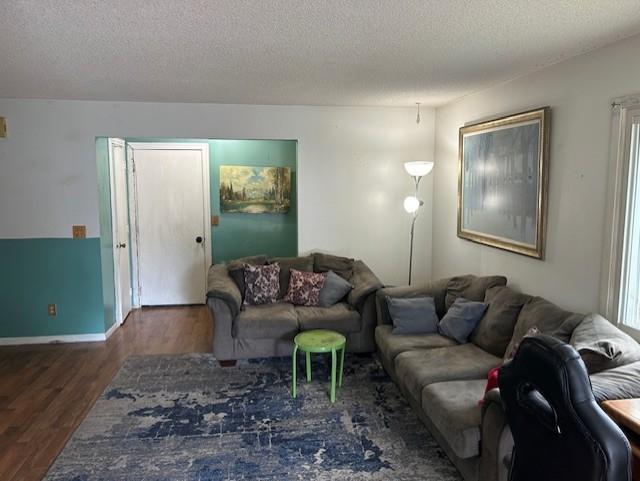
492 382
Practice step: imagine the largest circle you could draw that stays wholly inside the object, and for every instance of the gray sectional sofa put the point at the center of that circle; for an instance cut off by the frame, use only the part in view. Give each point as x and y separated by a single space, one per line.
445 381
242 332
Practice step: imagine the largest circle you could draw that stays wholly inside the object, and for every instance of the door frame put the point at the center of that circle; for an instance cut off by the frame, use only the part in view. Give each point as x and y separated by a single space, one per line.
113 142
203 148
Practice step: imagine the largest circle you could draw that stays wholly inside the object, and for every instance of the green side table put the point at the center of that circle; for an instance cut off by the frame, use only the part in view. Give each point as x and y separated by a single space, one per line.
319 341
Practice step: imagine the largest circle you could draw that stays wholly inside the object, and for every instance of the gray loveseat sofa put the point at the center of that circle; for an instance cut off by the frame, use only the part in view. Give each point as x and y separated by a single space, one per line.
445 381
242 332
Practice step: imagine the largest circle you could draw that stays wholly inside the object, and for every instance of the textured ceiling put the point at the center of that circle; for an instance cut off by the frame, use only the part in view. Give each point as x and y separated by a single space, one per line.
329 52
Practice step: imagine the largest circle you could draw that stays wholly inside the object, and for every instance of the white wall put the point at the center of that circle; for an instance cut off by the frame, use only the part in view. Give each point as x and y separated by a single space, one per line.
579 92
351 179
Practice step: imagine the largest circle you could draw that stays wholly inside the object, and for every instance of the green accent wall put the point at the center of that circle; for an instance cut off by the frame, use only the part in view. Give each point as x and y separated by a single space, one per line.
106 232
241 235
38 272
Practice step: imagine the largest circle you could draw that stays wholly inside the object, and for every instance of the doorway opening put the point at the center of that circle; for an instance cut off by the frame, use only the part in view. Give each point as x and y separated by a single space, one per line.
165 215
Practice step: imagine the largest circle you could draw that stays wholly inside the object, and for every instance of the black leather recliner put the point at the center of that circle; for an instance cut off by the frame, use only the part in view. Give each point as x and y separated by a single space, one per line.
560 432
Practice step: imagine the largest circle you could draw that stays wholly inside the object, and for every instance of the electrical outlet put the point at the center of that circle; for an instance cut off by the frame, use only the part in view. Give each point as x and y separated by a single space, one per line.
79 231
52 309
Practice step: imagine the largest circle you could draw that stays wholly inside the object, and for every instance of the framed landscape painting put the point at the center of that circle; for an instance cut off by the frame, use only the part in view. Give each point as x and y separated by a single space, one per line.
255 190
502 182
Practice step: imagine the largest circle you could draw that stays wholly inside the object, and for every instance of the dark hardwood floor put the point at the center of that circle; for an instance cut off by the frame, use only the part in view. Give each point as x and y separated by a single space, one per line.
47 390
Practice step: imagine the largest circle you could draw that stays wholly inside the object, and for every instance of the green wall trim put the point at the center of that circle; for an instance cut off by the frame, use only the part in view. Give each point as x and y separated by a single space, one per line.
240 235
37 272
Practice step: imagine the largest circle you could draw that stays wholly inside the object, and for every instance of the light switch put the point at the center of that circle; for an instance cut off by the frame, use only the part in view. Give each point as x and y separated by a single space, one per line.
215 219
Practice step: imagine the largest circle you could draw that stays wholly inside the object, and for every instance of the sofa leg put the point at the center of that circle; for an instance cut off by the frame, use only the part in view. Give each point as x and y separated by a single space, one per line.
229 363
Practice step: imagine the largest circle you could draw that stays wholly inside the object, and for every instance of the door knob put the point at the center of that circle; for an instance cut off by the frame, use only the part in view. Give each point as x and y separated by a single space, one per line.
122 245
199 240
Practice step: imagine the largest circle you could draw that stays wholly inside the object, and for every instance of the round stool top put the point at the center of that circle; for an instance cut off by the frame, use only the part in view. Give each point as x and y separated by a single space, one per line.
319 340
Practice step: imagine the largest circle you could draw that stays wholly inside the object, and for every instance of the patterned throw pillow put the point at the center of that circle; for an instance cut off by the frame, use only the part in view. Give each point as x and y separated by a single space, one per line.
304 288
262 284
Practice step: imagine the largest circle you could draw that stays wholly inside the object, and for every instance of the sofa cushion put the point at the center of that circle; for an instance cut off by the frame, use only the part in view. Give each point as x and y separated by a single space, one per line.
461 319
334 290
340 317
453 408
416 315
620 383
269 321
471 287
390 345
343 266
602 345
288 263
495 329
417 369
547 317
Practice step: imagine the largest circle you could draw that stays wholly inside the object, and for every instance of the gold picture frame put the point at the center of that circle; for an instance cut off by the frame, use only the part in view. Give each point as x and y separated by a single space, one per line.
503 182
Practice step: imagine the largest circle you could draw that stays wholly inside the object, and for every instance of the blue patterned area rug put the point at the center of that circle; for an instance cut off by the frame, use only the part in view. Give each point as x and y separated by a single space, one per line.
174 418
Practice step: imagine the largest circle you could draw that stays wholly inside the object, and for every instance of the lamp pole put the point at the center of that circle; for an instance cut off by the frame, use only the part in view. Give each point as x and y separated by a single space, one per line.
416 179
416 169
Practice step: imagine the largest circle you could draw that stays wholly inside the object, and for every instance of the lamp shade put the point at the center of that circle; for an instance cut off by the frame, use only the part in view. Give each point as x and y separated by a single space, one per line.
418 168
411 204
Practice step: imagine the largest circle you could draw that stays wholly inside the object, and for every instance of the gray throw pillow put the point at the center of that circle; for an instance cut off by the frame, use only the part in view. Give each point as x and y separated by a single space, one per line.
602 345
334 289
461 319
413 315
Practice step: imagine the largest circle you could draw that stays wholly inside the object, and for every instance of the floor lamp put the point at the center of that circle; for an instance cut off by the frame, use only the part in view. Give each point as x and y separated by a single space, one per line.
417 169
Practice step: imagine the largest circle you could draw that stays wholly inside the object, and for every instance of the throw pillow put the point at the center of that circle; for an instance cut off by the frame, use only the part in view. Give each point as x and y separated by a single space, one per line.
602 345
334 289
262 284
413 315
461 319
236 270
304 288
288 263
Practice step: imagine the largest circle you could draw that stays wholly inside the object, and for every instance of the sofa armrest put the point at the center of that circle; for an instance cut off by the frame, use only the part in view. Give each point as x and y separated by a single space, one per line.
364 283
435 289
497 442
221 286
493 396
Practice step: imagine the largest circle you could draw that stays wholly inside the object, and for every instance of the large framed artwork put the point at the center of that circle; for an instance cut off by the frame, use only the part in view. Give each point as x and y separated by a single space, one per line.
502 182
255 190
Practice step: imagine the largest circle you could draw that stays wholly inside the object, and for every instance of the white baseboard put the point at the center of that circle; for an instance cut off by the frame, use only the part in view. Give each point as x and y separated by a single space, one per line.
111 330
15 341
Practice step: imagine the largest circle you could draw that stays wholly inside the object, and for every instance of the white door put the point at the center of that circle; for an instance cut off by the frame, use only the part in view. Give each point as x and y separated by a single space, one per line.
172 191
120 226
